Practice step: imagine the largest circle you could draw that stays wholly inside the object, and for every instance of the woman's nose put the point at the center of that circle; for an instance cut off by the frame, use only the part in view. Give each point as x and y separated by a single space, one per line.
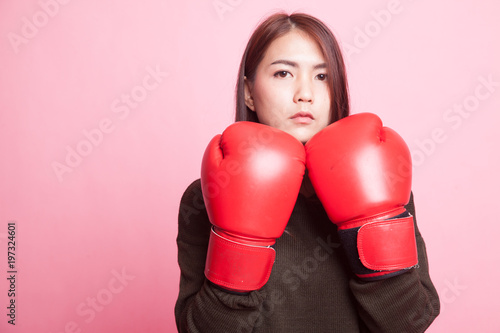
304 91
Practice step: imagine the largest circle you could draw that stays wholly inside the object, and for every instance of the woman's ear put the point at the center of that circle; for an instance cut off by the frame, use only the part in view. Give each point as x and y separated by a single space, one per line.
248 95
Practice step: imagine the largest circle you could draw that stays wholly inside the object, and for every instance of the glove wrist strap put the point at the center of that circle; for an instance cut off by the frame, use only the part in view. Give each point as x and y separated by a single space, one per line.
237 266
380 249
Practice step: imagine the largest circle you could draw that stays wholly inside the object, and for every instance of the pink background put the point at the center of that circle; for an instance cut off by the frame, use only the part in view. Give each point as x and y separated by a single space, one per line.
106 108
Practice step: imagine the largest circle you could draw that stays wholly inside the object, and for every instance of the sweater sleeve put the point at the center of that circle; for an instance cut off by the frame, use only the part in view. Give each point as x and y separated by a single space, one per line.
201 306
404 303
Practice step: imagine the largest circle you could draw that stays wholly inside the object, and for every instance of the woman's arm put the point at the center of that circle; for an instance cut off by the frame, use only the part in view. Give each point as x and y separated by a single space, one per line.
404 303
201 306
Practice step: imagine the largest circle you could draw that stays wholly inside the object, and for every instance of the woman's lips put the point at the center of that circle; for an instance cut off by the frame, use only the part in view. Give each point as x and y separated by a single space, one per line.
302 117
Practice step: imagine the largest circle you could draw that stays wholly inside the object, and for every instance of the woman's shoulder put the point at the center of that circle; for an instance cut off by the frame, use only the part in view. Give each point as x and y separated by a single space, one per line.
193 190
192 208
194 185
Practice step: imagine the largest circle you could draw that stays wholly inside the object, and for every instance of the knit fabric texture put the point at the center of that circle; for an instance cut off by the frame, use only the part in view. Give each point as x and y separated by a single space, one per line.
311 287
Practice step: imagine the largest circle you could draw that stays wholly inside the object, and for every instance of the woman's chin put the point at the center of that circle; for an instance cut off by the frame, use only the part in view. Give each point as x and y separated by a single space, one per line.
302 134
305 133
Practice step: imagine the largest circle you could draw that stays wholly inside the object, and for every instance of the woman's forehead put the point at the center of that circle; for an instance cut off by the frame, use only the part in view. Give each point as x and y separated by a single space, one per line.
295 48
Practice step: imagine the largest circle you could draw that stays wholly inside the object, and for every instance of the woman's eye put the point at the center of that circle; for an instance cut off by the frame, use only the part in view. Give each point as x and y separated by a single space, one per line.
321 77
281 74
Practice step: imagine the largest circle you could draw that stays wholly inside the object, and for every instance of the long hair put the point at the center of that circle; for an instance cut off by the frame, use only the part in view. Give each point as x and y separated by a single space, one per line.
276 26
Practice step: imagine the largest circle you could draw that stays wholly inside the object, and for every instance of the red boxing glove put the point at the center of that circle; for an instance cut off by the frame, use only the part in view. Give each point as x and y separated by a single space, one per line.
361 172
250 177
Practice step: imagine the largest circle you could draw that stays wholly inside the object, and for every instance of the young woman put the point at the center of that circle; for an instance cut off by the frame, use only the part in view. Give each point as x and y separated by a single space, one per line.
303 220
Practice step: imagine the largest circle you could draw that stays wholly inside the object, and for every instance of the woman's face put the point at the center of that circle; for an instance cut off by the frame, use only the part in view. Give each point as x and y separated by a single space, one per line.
290 90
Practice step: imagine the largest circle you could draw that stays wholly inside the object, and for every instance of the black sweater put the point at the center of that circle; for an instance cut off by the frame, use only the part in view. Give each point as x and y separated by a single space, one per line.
311 287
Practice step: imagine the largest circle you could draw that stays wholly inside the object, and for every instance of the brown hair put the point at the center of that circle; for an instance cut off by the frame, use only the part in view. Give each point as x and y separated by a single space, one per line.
276 26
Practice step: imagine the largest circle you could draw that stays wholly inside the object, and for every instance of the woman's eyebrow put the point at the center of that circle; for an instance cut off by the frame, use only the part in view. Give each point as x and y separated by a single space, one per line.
294 64
285 62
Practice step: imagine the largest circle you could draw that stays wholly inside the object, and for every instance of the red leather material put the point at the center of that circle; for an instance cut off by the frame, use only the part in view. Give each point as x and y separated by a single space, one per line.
238 266
388 245
359 168
250 178
362 173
